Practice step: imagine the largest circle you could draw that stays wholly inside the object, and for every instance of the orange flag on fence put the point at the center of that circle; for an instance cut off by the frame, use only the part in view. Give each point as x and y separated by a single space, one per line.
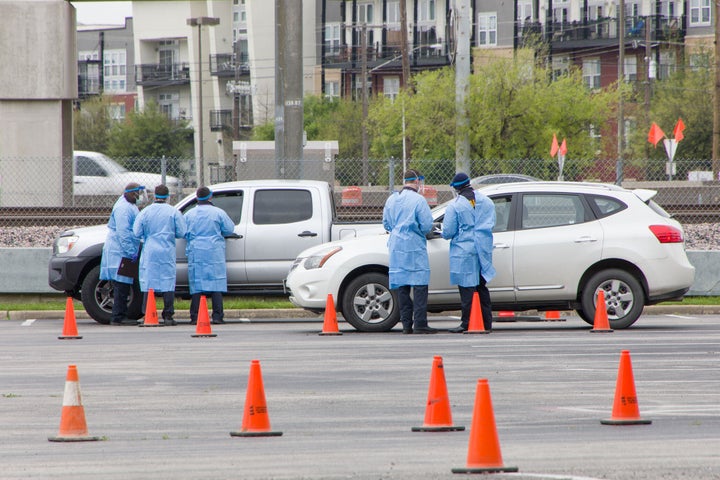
678 132
554 147
563 148
655 134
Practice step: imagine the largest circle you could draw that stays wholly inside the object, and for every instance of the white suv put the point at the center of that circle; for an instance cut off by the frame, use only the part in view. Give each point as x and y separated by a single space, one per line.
555 245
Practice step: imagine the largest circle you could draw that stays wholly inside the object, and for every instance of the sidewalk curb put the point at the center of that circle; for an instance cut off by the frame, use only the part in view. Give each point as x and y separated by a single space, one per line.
297 313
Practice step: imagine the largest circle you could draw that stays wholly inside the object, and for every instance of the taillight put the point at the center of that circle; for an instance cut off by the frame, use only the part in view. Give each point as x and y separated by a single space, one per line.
667 234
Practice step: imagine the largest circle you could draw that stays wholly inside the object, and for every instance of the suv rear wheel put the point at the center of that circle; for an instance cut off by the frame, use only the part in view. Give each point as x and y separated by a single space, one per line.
624 297
97 298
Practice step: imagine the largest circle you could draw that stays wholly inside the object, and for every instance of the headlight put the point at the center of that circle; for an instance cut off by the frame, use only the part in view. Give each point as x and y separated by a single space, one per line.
64 244
319 259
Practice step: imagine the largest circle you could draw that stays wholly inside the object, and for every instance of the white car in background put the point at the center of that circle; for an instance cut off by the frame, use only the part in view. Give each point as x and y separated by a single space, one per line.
555 245
98 174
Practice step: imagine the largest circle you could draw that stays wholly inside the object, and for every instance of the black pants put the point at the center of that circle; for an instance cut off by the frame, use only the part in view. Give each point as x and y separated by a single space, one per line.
168 303
217 306
466 295
121 292
413 308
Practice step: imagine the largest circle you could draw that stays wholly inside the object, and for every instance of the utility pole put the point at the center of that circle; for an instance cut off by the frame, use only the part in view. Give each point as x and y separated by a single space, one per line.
462 75
279 73
364 77
716 98
404 45
293 88
648 57
621 80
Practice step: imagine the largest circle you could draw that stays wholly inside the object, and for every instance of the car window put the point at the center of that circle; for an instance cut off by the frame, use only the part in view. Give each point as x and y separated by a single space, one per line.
85 166
605 206
502 213
551 210
231 202
272 207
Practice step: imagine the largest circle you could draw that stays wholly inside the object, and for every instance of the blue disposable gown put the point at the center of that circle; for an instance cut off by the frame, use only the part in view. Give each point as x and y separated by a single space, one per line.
407 217
207 226
158 225
120 241
484 225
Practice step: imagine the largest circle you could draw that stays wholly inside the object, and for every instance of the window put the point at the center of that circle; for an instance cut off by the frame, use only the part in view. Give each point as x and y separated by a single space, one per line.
115 70
169 104
332 38
391 87
699 12
630 68
365 13
591 72
560 66
274 207
667 64
487 29
117 111
231 202
551 210
502 213
393 12
426 10
605 206
332 89
88 167
524 12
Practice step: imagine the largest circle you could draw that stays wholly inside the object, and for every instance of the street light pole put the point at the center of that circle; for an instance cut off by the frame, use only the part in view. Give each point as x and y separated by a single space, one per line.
200 160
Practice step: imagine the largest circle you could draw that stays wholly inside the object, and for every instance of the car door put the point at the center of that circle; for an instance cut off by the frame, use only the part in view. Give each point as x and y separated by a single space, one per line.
502 287
284 221
557 239
91 178
233 203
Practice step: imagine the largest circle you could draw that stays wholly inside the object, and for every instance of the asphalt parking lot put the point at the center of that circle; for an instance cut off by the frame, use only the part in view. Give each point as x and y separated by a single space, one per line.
164 402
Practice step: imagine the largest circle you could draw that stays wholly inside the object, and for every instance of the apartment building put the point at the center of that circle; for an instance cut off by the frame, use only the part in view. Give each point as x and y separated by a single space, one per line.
106 65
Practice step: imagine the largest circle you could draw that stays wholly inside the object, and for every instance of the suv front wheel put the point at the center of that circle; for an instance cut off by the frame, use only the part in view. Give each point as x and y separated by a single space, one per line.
97 298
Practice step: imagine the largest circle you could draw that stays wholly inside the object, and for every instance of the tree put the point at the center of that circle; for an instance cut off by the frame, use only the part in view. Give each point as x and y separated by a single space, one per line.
150 134
92 124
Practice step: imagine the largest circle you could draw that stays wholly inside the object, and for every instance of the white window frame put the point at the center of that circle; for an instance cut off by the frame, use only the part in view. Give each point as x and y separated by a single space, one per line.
114 70
391 87
525 12
426 11
630 68
393 12
365 13
591 70
487 29
332 89
700 13
332 37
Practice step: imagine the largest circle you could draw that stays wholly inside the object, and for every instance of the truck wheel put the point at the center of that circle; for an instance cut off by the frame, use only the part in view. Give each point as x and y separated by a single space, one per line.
97 298
369 305
624 297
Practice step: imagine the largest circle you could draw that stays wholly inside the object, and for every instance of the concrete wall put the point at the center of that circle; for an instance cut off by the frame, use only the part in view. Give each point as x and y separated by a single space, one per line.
25 270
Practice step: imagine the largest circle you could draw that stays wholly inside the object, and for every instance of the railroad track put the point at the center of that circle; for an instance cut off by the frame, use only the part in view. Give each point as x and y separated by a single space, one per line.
80 216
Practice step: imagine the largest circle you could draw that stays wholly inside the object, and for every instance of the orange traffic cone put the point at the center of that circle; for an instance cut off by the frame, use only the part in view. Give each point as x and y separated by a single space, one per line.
552 315
601 324
203 321
476 324
438 417
70 331
330 325
72 420
506 316
625 407
151 315
484 448
255 422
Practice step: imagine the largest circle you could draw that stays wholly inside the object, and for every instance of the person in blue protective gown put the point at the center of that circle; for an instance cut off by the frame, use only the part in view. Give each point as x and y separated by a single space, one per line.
468 224
207 227
157 226
121 242
406 215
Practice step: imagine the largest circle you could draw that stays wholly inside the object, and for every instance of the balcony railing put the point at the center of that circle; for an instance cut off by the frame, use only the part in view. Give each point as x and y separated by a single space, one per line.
227 64
162 74
430 54
220 120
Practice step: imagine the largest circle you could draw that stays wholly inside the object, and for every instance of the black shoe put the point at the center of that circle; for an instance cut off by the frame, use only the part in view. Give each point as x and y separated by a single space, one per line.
426 330
124 321
218 322
169 322
193 322
407 331
459 329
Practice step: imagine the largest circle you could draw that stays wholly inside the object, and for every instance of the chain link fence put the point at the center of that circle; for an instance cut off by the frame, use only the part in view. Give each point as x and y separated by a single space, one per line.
55 194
